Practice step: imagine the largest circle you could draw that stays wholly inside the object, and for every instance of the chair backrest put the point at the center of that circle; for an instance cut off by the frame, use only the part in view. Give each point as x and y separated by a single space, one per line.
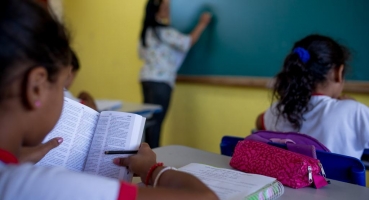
365 158
337 167
228 144
343 168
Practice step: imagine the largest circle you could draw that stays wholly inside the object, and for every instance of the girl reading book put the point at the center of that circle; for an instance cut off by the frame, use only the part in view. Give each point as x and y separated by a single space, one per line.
34 66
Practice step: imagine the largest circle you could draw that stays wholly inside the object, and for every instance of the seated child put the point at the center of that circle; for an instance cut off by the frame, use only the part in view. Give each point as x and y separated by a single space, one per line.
308 92
83 97
34 67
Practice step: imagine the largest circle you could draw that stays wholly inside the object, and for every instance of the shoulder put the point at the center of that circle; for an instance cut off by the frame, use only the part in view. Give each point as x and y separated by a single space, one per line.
360 109
271 117
346 110
272 110
171 32
167 29
345 106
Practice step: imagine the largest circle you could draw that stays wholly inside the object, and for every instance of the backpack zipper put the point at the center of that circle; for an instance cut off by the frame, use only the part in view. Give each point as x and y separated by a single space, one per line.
310 174
322 169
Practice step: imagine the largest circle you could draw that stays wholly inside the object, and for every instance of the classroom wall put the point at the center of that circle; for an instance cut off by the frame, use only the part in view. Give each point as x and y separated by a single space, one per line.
105 35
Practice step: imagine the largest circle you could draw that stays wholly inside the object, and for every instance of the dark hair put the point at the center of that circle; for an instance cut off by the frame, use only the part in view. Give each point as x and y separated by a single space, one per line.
30 36
301 74
152 8
75 62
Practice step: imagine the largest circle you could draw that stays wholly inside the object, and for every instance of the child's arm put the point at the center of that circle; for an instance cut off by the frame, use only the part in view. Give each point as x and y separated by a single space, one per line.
183 187
260 122
87 100
171 184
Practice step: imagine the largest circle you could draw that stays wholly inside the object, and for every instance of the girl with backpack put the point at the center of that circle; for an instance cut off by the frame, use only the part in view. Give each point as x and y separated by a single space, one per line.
308 92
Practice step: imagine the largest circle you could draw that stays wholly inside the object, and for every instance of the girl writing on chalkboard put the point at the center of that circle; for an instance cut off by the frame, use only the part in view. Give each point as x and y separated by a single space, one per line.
35 59
308 92
163 50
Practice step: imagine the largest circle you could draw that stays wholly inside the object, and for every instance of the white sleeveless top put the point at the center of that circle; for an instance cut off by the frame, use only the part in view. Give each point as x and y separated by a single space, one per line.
341 125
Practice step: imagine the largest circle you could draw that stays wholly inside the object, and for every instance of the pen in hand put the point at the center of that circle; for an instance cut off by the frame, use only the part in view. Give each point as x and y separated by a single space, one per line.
120 152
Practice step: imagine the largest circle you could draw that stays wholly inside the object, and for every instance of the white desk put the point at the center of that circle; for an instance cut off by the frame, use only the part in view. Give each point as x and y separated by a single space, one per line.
179 156
146 110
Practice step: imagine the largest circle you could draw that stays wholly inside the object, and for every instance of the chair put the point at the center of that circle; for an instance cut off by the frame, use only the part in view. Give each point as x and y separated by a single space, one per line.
337 167
228 144
365 158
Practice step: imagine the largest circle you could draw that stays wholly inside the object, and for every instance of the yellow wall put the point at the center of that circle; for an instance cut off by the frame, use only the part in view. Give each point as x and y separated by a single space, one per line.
105 35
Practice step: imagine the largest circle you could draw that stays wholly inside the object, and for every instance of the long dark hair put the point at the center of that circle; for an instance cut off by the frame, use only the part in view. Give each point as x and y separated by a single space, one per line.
152 8
74 62
304 68
30 36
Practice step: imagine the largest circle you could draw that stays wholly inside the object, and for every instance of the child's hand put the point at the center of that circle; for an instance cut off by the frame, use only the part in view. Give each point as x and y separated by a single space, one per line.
35 154
140 163
205 18
87 100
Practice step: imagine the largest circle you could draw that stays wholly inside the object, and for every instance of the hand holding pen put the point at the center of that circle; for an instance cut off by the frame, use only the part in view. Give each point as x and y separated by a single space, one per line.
139 163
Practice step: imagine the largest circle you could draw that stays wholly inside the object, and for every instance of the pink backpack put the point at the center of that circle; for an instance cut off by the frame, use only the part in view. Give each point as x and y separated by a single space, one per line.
295 167
291 169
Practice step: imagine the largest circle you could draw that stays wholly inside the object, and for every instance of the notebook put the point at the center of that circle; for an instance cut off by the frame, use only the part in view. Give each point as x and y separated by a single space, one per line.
234 185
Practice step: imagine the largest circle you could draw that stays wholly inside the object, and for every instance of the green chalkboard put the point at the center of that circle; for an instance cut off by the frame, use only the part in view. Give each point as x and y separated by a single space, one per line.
252 37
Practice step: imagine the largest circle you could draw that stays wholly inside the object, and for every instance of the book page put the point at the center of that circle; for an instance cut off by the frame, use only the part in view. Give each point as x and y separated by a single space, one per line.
76 126
114 131
228 184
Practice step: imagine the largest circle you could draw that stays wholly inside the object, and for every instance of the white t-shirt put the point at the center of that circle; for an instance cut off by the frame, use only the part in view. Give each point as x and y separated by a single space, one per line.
30 182
70 95
341 125
27 181
163 57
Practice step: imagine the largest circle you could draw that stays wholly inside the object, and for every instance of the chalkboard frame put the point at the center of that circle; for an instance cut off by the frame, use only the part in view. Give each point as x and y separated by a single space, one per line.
260 82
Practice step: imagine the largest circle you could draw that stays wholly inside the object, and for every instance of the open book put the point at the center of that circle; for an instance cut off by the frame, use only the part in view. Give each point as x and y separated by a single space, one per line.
234 185
88 134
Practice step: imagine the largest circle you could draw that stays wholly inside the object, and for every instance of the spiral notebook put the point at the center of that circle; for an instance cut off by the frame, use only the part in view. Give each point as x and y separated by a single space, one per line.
234 185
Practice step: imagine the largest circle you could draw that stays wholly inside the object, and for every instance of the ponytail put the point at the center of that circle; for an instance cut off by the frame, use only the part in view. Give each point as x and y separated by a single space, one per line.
304 68
293 88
